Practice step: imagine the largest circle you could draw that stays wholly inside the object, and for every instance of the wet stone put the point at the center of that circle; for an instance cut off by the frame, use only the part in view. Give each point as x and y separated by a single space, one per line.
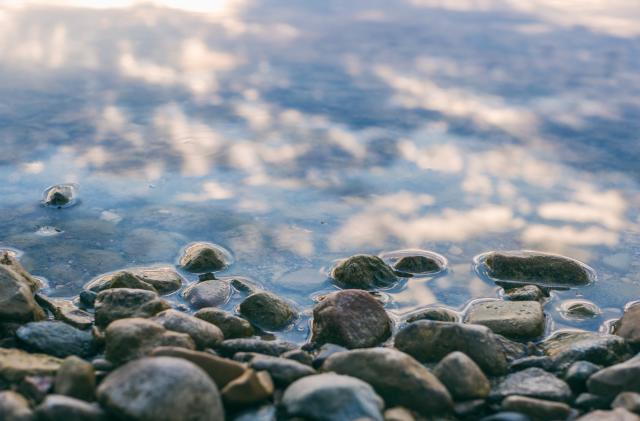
533 383
324 352
439 314
274 348
66 311
628 326
212 293
589 401
579 309
60 195
16 364
17 289
121 279
251 387
163 280
537 409
267 311
578 373
231 326
76 378
300 356
120 303
283 371
506 416
204 334
363 272
525 293
56 338
204 257
513 319
627 400
542 362
417 264
565 348
622 377
462 377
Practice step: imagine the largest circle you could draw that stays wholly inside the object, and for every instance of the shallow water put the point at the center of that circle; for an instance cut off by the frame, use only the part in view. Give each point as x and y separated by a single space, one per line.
298 133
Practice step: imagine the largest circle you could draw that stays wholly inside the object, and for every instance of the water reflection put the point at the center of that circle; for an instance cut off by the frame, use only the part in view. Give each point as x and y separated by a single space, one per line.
295 134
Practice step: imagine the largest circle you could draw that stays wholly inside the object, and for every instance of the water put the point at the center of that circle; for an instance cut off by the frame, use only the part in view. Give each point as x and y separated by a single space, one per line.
298 133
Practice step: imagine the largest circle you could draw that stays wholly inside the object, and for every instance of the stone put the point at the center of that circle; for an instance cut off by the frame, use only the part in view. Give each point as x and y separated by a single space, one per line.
221 370
60 195
618 414
76 378
627 400
207 294
525 293
128 339
350 318
472 409
121 303
121 279
66 311
417 264
262 413
268 311
462 377
622 377
59 407
513 319
332 397
35 388
324 352
542 362
204 335
363 272
567 347
16 364
87 299
439 314
282 371
204 257
540 269
160 389
232 327
14 407
537 409
274 348
578 373
628 326
397 377
588 402
429 341
244 285
299 355
578 309
162 280
251 387
534 383
398 414
17 289
56 338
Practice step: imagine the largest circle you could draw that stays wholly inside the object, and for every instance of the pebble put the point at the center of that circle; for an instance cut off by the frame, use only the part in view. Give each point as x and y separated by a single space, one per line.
14 407
121 303
439 314
211 293
268 311
462 377
76 378
589 402
231 326
59 407
578 373
56 338
417 264
274 348
283 371
512 319
60 195
627 400
578 309
525 293
66 311
204 335
204 257
533 383
628 326
618 414
363 272
251 387
17 289
617 378
537 409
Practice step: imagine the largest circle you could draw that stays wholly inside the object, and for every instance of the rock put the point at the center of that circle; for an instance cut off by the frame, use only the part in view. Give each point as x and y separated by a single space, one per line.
207 294
627 400
506 416
589 402
579 309
618 378
282 371
121 303
396 377
578 373
251 387
127 339
439 314
542 362
417 264
533 383
221 370
204 335
513 319
430 341
59 407
363 272
35 388
332 397
267 311
244 285
231 326
618 414
462 377
60 195
87 299
567 347
299 355
274 348
56 338
628 326
204 257
525 293
164 279
161 280
159 389
536 268
16 364
325 352
262 413
537 409
398 414
351 318
14 407
76 378
66 311
120 279
17 289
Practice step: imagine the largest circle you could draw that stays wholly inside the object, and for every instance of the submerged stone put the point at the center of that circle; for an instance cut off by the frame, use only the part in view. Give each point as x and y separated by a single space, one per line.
579 309
363 272
163 280
204 257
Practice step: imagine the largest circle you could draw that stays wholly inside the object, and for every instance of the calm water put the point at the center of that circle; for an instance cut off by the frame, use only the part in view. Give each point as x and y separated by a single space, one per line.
296 133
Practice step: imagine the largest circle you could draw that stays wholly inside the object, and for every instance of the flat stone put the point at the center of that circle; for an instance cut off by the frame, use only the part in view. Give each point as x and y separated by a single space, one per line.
17 289
267 311
231 326
76 378
59 407
417 264
14 407
121 303
627 400
622 377
204 257
397 377
56 338
462 377
537 409
204 334
251 387
332 397
439 314
525 293
229 347
282 371
207 294
16 364
628 326
350 318
513 319
533 383
162 280
363 272
565 348
618 414
66 311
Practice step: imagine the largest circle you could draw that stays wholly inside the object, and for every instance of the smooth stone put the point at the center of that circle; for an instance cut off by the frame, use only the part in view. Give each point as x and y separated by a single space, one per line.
59 195
512 319
14 407
66 311
622 377
538 409
221 370
589 402
231 326
567 347
76 378
120 279
204 257
627 400
536 268
506 416
332 397
87 298
628 326
121 303
525 293
363 272
35 388
161 389
267 310
417 264
162 280
262 413
533 383
618 414
17 289
16 364
350 318
324 352
59 407
439 314
251 387
299 355
56 338
579 309
245 286
398 414
282 371
207 294
429 341
397 377
274 348
128 339
542 362
204 335
578 373
462 377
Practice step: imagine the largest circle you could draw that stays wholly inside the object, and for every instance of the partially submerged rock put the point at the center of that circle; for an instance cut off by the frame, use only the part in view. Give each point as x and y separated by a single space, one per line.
418 264
121 303
211 293
204 257
578 309
163 280
17 289
231 326
363 272
439 314
267 310
61 195
513 319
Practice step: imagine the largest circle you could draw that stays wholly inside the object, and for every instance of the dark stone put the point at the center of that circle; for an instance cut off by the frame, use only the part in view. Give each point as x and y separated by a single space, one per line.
533 383
300 356
525 293
60 195
87 298
543 362
207 294
204 257
417 264
231 326
282 371
462 377
578 373
565 348
121 303
267 311
363 272
76 378
589 401
623 377
56 338
325 352
274 348
204 334
439 314
507 416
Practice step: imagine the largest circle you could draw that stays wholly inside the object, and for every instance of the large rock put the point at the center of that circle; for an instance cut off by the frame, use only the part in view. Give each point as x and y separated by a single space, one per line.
210 293
204 257
232 327
567 347
275 348
205 335
350 318
332 397
76 378
618 414
56 338
363 272
161 389
267 310
59 407
513 319
623 377
534 383
16 365
462 377
163 280
430 341
14 407
17 289
628 326
396 377
121 303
